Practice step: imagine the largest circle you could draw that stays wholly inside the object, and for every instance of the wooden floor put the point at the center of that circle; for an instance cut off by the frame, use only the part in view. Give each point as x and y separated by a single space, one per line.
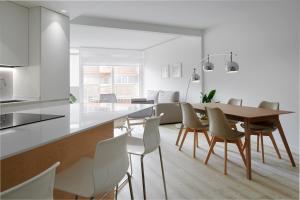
189 178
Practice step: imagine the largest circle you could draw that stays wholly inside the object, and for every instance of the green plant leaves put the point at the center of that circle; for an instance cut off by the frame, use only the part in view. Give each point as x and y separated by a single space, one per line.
210 96
207 98
72 98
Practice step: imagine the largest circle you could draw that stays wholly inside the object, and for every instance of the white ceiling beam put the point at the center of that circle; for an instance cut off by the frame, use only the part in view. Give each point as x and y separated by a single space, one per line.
134 25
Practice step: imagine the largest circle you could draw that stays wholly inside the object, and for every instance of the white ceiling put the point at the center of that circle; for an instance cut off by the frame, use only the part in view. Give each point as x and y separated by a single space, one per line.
193 14
197 14
91 36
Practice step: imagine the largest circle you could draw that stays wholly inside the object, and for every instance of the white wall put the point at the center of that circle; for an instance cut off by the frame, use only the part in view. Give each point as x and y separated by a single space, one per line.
6 86
268 54
185 50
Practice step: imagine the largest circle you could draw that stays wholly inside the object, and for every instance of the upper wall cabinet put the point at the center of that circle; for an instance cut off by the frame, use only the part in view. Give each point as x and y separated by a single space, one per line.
13 34
55 82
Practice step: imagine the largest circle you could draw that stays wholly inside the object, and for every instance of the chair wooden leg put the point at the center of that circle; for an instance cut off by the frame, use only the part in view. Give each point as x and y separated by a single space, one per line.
262 147
239 145
184 136
257 144
244 145
225 157
195 143
179 134
275 145
211 148
207 139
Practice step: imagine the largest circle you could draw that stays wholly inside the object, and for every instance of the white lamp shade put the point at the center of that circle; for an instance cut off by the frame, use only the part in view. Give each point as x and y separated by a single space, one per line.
208 66
232 67
195 77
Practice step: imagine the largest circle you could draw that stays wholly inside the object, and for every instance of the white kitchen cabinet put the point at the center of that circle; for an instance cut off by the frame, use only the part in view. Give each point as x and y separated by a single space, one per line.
13 34
55 83
47 76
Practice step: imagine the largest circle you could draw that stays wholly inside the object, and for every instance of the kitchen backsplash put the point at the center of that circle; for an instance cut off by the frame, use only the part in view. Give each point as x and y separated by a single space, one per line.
6 83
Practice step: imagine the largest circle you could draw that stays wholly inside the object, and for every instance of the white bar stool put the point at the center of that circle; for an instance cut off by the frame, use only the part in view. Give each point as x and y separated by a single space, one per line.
90 177
38 187
149 143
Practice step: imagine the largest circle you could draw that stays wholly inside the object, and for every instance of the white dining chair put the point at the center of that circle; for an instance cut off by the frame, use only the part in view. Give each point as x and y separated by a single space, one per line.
149 143
265 128
221 131
234 102
193 124
90 177
38 187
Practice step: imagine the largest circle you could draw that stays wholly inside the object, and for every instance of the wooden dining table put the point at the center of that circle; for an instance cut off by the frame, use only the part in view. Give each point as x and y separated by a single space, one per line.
249 115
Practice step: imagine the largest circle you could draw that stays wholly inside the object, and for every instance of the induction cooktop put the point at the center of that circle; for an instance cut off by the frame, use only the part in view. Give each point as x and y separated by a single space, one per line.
11 120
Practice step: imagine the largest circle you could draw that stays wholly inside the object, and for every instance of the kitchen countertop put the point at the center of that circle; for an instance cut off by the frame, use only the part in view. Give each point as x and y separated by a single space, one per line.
20 102
78 118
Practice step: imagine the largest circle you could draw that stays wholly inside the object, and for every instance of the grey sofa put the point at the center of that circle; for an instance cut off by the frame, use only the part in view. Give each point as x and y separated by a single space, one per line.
167 102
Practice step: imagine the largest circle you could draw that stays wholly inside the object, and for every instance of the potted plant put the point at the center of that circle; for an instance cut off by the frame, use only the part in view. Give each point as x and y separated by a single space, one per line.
72 98
206 98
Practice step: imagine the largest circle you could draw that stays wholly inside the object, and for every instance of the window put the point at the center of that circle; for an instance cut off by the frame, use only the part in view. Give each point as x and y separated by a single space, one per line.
121 80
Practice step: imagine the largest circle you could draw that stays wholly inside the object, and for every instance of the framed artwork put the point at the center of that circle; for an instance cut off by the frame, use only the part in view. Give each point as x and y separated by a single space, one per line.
176 70
165 72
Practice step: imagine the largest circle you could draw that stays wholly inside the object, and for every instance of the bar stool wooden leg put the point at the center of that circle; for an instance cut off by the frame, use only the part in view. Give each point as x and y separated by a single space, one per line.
225 157
275 145
262 147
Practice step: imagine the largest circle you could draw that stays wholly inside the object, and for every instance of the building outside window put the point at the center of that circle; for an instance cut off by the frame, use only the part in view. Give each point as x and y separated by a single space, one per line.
88 81
121 80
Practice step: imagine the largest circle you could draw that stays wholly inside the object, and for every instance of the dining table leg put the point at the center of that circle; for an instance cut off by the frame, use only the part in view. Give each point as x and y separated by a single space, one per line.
286 145
248 148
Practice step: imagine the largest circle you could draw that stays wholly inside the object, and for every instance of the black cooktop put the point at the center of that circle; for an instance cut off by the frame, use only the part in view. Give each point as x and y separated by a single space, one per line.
11 120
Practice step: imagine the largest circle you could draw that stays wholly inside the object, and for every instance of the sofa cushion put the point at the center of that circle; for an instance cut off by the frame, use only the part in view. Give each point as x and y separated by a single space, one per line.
168 96
152 95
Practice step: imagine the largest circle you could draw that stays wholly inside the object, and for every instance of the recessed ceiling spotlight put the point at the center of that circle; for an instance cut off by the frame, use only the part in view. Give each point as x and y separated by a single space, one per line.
63 11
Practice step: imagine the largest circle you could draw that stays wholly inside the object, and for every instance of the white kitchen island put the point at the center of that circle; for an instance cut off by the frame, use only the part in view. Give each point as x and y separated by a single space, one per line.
27 150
